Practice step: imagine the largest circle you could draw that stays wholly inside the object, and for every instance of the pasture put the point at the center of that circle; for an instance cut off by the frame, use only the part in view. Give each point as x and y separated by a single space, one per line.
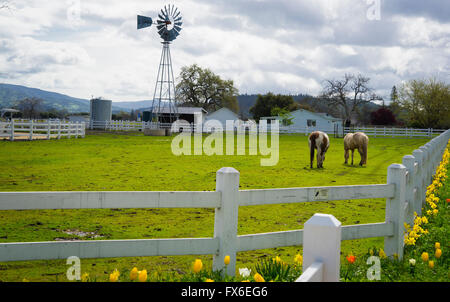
111 162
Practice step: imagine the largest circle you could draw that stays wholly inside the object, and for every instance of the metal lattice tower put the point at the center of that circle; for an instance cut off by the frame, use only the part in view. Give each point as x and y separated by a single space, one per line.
165 88
169 23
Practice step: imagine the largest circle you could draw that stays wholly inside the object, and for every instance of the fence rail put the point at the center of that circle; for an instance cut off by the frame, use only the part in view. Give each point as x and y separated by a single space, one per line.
43 129
404 193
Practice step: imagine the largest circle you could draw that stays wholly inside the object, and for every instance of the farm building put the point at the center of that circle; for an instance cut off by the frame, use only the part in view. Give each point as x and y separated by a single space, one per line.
312 121
184 113
222 115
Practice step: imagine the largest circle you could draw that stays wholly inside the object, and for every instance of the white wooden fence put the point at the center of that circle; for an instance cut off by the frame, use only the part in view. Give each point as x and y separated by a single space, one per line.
404 193
395 132
370 131
47 129
125 125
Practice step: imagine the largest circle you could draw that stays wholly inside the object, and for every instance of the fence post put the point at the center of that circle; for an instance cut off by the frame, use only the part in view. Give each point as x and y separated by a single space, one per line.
226 219
411 192
48 128
12 130
418 182
395 210
425 161
59 129
31 130
326 250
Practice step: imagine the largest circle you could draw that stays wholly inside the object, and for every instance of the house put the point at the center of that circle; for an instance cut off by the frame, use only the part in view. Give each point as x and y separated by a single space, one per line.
311 121
219 118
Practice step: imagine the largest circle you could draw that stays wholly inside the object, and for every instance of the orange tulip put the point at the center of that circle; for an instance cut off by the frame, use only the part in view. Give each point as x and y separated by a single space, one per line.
351 258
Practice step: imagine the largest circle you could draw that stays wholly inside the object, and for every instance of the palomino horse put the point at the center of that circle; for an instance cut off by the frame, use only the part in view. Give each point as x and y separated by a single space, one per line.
358 141
320 141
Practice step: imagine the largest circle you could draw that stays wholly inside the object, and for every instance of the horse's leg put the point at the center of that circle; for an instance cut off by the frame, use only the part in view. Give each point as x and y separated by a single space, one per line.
361 153
346 155
353 151
319 157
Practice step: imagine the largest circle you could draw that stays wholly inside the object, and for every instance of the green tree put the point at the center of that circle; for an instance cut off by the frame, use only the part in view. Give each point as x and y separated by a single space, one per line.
200 87
266 103
427 103
286 117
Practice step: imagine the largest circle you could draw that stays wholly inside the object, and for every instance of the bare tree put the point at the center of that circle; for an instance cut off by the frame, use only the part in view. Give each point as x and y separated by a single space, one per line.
30 107
348 94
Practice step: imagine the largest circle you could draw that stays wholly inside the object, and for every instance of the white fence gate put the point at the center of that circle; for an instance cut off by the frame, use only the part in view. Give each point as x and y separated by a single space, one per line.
404 193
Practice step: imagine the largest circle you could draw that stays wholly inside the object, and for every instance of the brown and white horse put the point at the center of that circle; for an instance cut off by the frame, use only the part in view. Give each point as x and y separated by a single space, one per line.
320 141
358 141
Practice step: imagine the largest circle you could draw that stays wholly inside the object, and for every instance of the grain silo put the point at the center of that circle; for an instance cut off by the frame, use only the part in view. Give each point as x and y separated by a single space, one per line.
101 112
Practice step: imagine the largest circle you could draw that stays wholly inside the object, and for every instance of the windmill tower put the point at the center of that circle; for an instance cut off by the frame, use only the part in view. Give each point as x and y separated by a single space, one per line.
169 23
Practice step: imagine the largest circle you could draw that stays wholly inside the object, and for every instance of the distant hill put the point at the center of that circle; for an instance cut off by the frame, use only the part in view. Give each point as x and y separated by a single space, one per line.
10 94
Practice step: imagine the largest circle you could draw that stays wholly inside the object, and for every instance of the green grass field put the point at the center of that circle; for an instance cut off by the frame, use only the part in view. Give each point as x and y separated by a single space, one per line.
111 162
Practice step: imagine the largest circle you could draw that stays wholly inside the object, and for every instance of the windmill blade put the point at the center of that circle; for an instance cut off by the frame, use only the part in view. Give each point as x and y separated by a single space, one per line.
175 13
178 19
162 30
177 28
178 23
171 9
161 17
176 16
167 14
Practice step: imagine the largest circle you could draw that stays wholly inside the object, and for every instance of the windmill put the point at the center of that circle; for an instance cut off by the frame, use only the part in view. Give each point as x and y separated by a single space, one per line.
169 23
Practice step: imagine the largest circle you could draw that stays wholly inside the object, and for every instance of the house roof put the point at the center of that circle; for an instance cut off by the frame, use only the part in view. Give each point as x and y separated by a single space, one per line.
321 114
222 109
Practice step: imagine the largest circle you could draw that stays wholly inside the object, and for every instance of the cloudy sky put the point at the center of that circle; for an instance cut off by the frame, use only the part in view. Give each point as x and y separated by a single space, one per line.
92 48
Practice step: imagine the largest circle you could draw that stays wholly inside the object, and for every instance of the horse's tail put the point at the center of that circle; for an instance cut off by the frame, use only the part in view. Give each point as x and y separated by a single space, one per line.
312 146
364 147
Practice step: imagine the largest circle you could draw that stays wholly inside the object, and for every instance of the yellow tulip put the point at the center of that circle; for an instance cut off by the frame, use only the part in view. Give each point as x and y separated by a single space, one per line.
114 277
209 280
298 259
226 260
197 266
258 278
134 274
142 276
437 245
425 256
382 254
431 264
438 253
85 277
